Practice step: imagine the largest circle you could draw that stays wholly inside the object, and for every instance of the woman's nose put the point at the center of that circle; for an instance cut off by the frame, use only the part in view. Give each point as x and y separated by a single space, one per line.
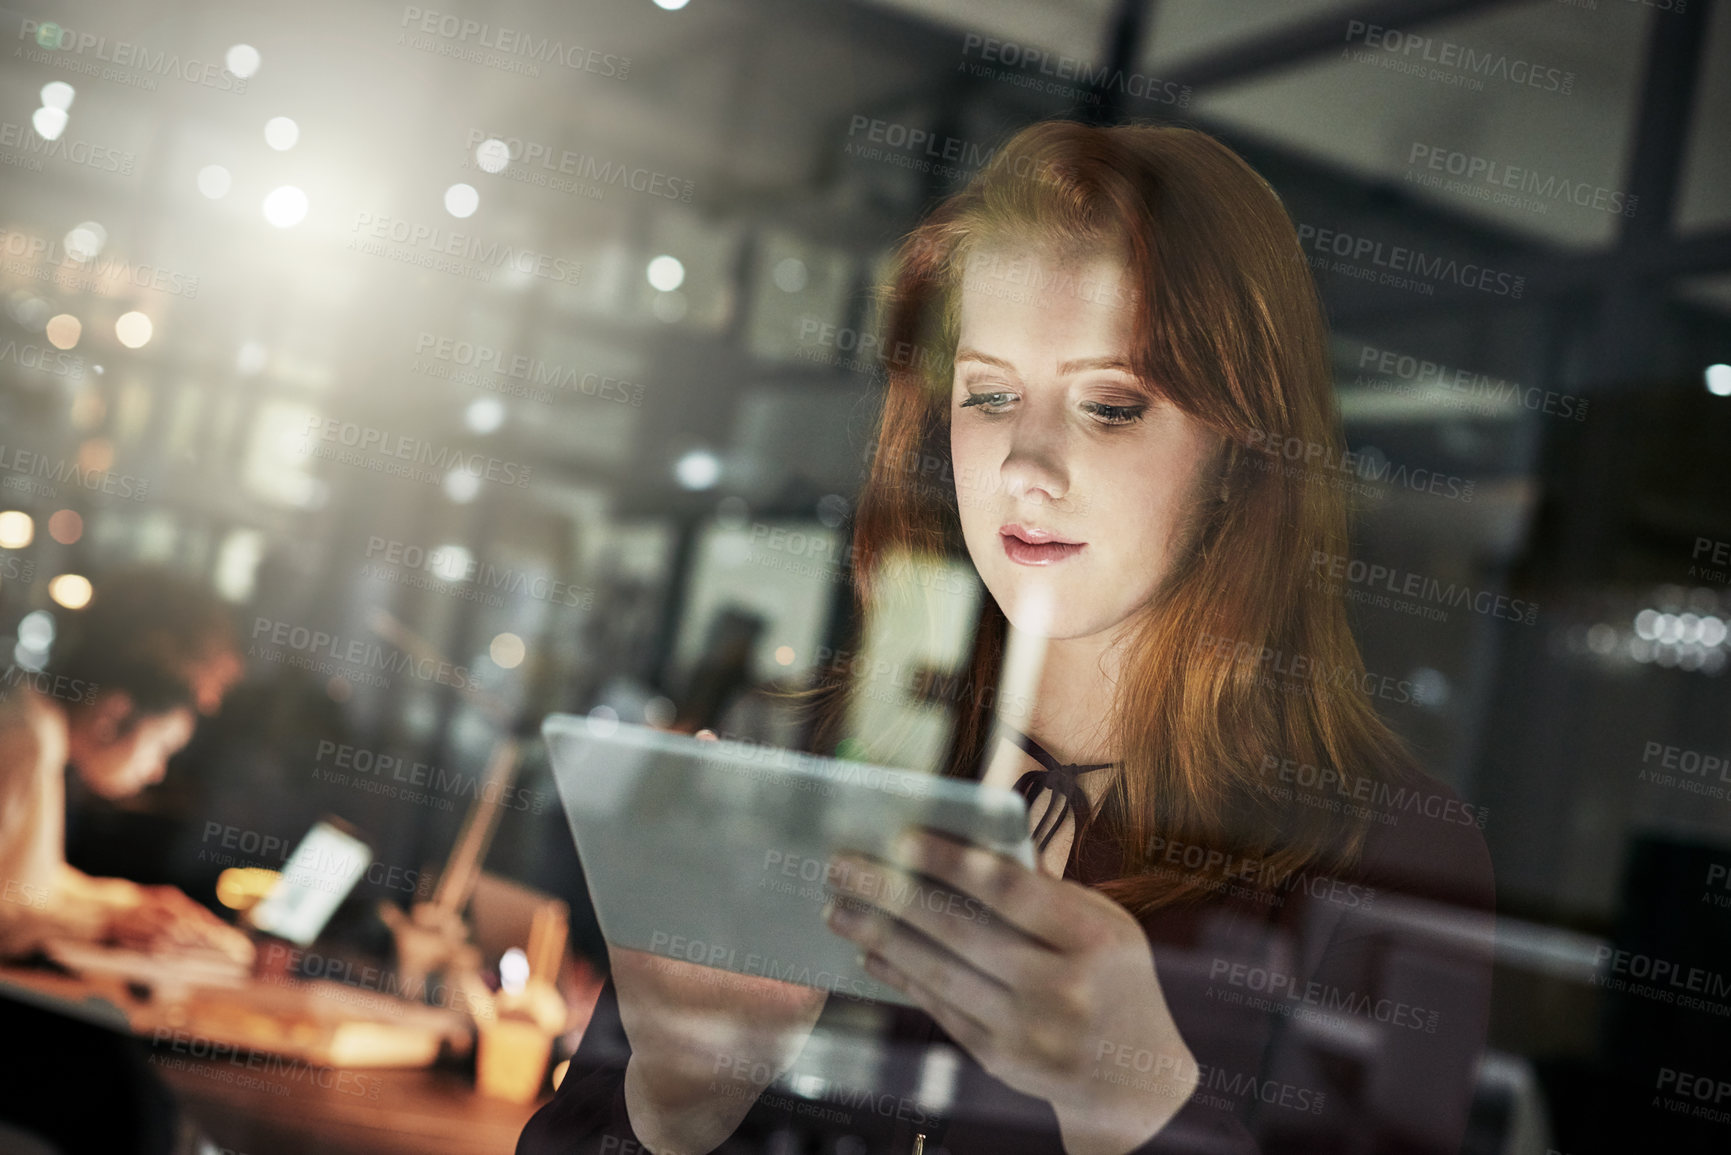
1035 466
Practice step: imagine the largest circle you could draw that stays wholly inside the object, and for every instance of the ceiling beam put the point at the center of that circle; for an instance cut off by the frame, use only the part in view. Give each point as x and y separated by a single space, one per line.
1300 42
1647 251
1665 114
1630 306
1126 34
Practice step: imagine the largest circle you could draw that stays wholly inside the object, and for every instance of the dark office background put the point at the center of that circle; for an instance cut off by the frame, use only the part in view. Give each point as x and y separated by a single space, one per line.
633 273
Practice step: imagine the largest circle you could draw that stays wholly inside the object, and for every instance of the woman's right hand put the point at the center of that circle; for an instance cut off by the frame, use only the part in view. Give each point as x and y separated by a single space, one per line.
704 1045
164 919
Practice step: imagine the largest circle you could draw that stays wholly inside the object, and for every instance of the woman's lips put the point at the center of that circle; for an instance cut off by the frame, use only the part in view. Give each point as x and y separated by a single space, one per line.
1039 553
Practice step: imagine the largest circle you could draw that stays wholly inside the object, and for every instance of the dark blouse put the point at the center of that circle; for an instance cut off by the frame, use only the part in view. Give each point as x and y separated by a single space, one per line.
1325 1015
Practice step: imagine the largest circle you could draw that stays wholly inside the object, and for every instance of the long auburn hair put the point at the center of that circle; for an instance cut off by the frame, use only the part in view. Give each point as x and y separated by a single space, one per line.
1229 328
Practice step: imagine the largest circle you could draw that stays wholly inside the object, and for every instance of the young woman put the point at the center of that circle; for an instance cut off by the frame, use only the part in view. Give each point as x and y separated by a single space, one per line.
1254 926
121 695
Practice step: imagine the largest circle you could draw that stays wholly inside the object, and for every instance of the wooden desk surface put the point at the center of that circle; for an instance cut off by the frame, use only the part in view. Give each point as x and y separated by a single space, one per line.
253 1103
390 1112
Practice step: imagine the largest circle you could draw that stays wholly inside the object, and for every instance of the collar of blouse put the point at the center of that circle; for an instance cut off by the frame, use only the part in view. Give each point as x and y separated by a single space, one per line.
1063 780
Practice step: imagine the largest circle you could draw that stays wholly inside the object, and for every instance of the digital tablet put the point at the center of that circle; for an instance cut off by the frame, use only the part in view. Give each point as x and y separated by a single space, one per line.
716 852
314 881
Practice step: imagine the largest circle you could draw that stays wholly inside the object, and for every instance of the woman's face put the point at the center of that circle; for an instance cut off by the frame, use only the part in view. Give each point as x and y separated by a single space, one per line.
117 753
1073 481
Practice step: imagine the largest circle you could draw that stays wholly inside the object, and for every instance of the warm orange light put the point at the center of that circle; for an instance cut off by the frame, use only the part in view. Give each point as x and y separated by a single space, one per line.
241 887
64 330
70 590
17 530
134 329
65 526
96 455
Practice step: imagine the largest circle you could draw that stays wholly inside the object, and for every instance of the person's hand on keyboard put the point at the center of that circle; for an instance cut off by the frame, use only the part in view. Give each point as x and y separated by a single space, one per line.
166 920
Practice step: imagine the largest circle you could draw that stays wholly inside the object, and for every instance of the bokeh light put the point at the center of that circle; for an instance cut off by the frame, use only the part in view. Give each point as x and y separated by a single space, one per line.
451 562
666 273
507 651
17 529
84 240
96 455
49 122
134 330
242 887
58 94
603 721
660 712
492 155
64 330
461 200
462 486
513 971
31 312
65 526
70 590
285 207
699 469
790 275
484 415
36 630
242 60
1719 380
214 181
281 133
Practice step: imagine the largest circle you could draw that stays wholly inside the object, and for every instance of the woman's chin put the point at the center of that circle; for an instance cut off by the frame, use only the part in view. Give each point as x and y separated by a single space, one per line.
1054 621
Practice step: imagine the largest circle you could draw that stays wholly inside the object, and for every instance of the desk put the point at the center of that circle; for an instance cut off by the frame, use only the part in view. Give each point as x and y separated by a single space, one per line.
428 1111
320 1022
258 1103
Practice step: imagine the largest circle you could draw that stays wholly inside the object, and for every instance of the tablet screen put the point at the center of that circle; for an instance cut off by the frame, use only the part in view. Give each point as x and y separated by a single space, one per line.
315 880
717 853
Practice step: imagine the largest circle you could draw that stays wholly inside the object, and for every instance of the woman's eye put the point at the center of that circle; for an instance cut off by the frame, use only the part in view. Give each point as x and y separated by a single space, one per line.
1114 414
990 402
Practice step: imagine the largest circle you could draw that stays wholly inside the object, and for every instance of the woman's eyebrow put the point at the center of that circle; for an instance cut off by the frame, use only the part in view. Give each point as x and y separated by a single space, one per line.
1080 365
984 359
1084 364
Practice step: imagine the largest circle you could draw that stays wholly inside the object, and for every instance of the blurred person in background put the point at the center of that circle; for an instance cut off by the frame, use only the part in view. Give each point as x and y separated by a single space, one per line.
1119 336
149 654
723 671
121 694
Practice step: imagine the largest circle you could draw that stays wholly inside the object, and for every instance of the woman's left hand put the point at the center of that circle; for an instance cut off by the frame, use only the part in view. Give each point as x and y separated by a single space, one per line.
1049 985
